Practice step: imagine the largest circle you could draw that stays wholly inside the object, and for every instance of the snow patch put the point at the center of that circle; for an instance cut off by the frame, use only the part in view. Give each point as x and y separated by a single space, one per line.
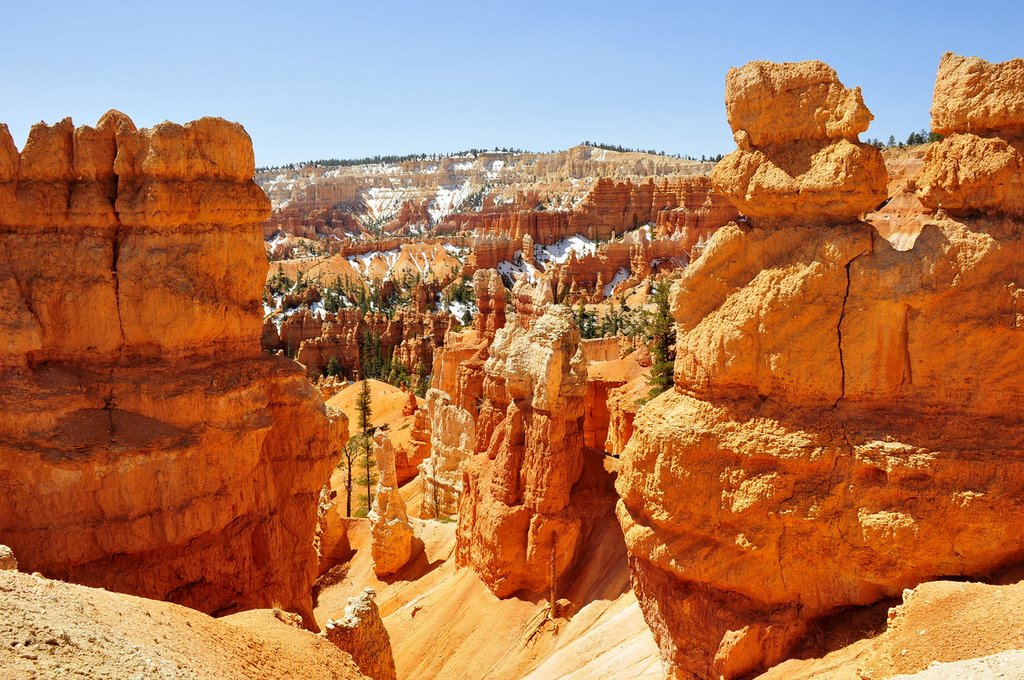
619 277
493 168
559 252
446 199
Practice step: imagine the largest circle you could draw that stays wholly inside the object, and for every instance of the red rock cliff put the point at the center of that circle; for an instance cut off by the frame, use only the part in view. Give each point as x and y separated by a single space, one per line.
831 440
147 445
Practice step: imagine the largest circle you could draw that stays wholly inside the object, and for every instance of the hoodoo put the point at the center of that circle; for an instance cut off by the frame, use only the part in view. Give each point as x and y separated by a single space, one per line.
829 442
147 444
518 526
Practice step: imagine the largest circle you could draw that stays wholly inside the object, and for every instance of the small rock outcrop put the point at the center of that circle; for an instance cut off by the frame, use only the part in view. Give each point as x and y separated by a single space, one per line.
828 442
391 536
7 560
979 166
361 633
796 127
147 444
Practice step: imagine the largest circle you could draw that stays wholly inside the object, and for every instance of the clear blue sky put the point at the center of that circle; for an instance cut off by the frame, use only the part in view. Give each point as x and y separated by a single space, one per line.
347 79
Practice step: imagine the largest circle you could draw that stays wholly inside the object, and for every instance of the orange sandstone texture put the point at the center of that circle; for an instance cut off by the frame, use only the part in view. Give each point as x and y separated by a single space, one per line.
147 445
843 426
978 167
796 127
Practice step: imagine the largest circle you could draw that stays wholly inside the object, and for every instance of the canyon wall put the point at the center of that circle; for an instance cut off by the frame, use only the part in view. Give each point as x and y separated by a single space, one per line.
684 205
409 337
147 444
830 441
406 196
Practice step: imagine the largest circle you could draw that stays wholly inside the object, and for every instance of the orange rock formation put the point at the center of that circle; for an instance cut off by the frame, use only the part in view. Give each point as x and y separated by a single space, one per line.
979 166
518 527
452 440
147 445
796 127
361 633
828 442
391 537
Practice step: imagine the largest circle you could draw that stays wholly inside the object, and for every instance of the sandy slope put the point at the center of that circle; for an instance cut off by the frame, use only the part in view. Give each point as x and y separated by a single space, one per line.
939 623
52 629
444 623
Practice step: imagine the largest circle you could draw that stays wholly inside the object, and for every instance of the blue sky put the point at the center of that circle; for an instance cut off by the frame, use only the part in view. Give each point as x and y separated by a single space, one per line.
343 79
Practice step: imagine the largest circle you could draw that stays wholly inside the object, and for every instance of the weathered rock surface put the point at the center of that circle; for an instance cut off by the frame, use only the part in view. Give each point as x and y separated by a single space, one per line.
391 536
452 440
972 95
796 127
361 633
147 445
8 561
828 442
518 527
942 630
978 166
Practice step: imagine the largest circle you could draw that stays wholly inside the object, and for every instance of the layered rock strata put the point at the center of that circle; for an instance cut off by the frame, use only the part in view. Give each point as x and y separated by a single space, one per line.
391 537
678 205
147 445
829 442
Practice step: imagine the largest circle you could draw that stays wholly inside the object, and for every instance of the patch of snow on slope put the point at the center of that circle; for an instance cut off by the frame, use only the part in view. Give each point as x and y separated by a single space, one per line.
447 198
383 201
458 309
363 263
513 270
493 168
279 238
458 252
559 252
619 277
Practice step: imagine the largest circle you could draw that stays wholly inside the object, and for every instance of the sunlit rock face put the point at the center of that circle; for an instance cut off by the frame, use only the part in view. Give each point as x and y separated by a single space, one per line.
147 445
844 421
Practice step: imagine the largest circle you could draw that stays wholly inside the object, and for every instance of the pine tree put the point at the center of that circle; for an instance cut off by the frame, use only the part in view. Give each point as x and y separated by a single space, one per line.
351 452
365 413
661 332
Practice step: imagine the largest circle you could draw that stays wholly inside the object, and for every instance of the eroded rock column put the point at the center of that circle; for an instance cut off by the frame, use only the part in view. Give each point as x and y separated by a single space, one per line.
843 422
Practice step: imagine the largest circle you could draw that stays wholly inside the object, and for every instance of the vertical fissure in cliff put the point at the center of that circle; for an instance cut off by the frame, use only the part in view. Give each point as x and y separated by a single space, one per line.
839 336
115 256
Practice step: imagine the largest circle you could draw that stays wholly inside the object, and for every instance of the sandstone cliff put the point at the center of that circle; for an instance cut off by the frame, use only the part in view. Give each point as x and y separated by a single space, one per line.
452 440
147 445
829 440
